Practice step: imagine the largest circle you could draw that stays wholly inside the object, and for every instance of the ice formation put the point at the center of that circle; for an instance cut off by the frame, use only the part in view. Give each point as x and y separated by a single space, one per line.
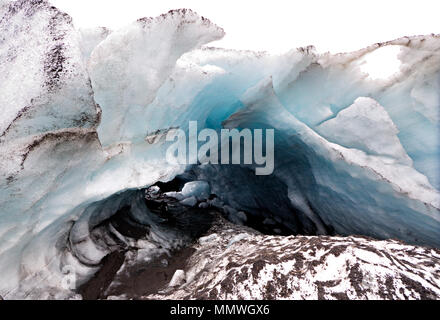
84 114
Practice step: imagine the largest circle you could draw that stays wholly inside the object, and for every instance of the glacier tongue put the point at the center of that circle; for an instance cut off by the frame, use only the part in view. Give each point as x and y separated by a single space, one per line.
354 155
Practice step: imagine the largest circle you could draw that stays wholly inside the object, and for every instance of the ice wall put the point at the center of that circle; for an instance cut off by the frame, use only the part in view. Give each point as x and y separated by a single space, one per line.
45 85
85 114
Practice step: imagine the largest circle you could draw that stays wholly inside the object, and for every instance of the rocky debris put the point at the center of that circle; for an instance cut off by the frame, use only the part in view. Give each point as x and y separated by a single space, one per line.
230 261
199 189
152 192
190 202
197 194
142 235
137 278
177 279
238 217
233 262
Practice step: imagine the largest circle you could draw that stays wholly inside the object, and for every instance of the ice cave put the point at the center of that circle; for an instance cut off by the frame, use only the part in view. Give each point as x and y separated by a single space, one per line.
84 180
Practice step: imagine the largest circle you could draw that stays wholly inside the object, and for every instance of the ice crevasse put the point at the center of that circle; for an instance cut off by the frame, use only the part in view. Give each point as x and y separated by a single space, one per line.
85 112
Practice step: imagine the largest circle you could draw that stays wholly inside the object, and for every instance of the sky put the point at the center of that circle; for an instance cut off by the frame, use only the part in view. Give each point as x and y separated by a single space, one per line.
277 26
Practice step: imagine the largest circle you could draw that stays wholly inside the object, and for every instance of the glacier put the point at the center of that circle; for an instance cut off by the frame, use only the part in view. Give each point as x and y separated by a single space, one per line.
86 112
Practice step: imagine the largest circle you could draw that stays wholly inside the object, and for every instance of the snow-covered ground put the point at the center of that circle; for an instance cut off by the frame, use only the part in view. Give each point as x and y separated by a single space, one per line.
232 262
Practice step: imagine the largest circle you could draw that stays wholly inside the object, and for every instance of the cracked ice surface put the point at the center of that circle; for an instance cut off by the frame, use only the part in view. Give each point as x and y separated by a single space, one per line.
354 153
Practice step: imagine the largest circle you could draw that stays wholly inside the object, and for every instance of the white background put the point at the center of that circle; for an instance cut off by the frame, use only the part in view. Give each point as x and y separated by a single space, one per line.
275 25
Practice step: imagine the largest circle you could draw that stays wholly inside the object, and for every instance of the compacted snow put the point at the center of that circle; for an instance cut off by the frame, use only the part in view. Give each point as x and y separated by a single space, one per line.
85 115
